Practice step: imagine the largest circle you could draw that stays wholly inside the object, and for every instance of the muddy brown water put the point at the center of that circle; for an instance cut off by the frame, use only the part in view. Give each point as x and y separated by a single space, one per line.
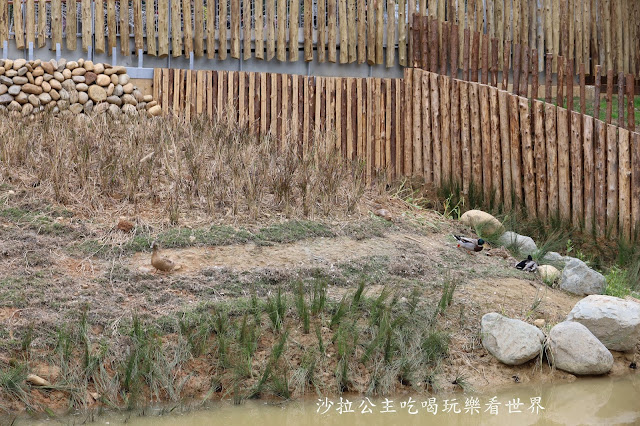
587 401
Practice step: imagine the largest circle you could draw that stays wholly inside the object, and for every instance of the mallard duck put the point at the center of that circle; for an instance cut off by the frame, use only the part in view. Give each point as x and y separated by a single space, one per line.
528 265
469 243
161 263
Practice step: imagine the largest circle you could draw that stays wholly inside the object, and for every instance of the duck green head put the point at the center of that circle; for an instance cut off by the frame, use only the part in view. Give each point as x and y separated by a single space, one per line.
480 241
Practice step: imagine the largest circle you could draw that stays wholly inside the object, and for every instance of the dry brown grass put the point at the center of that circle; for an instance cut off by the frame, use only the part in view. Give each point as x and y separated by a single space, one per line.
175 169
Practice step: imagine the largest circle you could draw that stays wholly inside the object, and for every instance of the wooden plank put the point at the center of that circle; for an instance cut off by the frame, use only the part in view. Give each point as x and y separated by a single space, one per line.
176 30
371 33
259 29
200 92
350 117
485 59
188 26
198 28
294 24
41 31
475 48
445 127
609 96
600 163
495 61
211 30
391 34
234 49
138 35
564 190
379 9
271 30
294 116
465 137
416 140
163 28
496 157
528 168
361 113
362 31
175 102
31 22
499 19
332 19
263 103
606 14
618 18
397 135
125 48
577 13
157 77
434 88
555 24
444 47
624 183
516 68
188 96
485 120
505 148
424 42
589 174
540 153
466 46
408 129
455 60
612 181
551 150
402 32
18 27
246 30
150 14
56 22
577 203
548 84
427 140
631 122
620 99
476 139
321 32
211 87
284 86
516 169
352 38
534 74
165 87
456 148
524 76
506 65
369 129
635 184
4 20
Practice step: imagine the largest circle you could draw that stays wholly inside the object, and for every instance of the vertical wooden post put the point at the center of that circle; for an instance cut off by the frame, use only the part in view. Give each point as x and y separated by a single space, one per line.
551 139
596 99
505 65
435 129
560 87
495 62
564 170
624 183
496 158
465 54
516 157
631 122
485 59
516 69
612 180
621 99
534 74
609 95
583 97
548 77
589 174
600 164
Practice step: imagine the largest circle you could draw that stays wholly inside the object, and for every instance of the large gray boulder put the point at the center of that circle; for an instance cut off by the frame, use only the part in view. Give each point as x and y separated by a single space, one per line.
512 341
483 222
578 278
576 350
614 321
525 244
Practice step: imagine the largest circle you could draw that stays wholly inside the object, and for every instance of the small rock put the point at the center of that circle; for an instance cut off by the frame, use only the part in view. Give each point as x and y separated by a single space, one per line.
78 78
81 62
73 96
3 89
115 100
83 97
128 88
69 85
148 98
14 107
8 64
384 213
129 109
97 93
90 78
62 62
76 108
27 109
129 99
114 111
82 87
19 63
66 73
55 84
14 90
11 73
576 350
34 100
39 81
63 104
151 104
32 89
88 65
47 67
88 107
34 380
101 108
483 222
103 80
115 70
5 99
614 321
20 80
155 111
98 68
78 71
138 95
513 342
118 90
58 76
38 72
45 98
539 322
46 87
22 98
54 94
23 71
123 79
548 273
114 79
110 89
72 65
6 80
578 278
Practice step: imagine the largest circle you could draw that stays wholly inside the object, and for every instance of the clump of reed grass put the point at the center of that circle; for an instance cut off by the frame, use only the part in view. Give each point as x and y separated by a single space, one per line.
205 166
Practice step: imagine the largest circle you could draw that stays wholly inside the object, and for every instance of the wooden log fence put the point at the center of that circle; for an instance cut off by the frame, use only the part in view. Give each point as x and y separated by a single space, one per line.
529 155
591 32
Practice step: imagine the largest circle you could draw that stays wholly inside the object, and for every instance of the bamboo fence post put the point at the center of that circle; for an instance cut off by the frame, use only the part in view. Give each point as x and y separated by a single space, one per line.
344 34
475 52
534 74
495 62
371 33
408 116
433 33
151 27
524 77
444 48
424 42
198 31
42 23
281 29
402 32
455 60
391 34
18 27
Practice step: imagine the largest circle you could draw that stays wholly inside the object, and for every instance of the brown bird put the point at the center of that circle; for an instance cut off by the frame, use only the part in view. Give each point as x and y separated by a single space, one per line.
162 263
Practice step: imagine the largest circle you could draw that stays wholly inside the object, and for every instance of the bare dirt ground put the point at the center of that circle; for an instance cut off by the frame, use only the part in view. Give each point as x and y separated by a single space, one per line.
53 267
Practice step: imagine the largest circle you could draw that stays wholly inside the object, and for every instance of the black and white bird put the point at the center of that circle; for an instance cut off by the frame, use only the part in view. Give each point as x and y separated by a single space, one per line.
528 265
